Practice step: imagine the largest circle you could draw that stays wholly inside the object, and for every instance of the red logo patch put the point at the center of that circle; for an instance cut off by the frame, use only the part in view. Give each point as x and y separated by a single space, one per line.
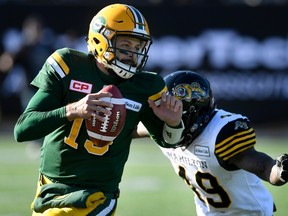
80 86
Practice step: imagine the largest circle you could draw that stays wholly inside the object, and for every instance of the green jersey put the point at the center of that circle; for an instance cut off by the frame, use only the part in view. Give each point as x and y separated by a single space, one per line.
67 155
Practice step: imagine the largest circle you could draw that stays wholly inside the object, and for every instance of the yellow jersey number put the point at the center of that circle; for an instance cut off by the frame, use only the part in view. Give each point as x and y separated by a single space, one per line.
89 146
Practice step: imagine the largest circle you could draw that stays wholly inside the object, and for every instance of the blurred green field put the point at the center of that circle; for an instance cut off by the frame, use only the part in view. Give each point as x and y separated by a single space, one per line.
149 186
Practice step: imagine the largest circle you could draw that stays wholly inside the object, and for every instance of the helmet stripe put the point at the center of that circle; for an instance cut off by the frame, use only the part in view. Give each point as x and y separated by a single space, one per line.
139 19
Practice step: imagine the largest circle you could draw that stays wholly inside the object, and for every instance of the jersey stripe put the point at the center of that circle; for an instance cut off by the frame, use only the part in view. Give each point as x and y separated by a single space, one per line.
238 151
58 64
117 101
240 134
108 209
56 67
157 97
235 144
61 62
234 139
100 137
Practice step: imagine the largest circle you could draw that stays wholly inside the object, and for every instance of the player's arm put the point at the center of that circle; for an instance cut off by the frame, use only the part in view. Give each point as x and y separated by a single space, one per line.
89 106
45 113
262 165
140 131
162 113
165 125
235 146
169 110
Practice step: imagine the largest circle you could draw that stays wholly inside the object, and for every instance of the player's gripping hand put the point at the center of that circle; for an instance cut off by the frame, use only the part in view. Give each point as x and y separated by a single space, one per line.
88 106
282 165
169 110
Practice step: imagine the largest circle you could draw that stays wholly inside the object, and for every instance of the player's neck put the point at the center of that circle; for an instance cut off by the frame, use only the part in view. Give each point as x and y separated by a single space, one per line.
102 68
106 70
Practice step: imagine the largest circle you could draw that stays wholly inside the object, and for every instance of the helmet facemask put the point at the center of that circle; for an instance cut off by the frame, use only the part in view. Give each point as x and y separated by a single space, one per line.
195 121
127 68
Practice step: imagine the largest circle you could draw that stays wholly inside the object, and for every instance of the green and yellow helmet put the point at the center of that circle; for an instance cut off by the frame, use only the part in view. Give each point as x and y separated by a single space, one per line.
106 25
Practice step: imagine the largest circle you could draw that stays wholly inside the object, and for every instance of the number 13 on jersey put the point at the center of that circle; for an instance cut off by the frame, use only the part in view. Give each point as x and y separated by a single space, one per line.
89 146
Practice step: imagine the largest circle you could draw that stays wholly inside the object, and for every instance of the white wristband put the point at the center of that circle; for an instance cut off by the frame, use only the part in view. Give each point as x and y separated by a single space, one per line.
172 135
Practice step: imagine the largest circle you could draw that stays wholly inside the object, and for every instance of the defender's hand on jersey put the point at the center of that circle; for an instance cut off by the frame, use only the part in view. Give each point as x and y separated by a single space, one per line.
89 106
169 111
282 165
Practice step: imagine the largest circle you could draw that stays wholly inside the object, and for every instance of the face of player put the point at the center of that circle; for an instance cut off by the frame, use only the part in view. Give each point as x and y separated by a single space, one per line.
127 49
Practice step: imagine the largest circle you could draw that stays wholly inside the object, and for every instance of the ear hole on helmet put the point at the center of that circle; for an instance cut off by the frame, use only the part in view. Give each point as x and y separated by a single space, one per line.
96 40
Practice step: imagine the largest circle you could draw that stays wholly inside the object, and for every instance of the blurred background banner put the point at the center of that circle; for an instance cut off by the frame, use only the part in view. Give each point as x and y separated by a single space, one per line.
240 45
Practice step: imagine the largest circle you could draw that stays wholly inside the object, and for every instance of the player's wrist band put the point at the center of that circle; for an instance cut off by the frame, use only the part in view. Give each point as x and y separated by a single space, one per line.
177 126
172 135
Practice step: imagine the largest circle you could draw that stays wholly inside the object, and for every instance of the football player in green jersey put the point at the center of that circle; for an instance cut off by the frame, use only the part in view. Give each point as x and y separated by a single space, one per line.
76 177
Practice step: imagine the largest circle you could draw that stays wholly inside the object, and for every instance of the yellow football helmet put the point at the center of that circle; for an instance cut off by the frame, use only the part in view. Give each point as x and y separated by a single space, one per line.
106 25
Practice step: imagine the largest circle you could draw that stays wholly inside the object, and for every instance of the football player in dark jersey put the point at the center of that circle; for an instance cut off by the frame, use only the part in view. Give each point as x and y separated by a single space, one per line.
77 177
216 156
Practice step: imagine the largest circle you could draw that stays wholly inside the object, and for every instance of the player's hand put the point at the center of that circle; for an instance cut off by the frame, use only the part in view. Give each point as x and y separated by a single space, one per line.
90 105
282 165
169 111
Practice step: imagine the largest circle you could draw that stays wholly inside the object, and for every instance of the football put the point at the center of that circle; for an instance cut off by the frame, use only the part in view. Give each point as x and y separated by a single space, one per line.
103 133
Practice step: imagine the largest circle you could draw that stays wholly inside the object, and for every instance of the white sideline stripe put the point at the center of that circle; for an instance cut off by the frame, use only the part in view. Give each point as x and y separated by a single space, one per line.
117 101
100 137
108 209
56 67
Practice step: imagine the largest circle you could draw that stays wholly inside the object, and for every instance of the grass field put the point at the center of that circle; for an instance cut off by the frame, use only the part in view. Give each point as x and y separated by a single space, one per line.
149 186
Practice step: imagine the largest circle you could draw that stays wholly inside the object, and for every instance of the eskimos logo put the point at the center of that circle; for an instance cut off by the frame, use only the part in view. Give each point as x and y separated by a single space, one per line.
97 23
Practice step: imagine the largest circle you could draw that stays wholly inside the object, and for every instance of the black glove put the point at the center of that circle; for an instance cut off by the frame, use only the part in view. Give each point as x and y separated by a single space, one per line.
282 164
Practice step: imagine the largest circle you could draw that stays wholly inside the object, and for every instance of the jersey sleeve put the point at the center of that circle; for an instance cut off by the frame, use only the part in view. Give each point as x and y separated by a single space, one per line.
45 111
54 69
235 137
35 122
153 92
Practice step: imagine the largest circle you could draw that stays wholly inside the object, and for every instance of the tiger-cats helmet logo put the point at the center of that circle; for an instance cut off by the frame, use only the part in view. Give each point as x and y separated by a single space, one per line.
188 92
